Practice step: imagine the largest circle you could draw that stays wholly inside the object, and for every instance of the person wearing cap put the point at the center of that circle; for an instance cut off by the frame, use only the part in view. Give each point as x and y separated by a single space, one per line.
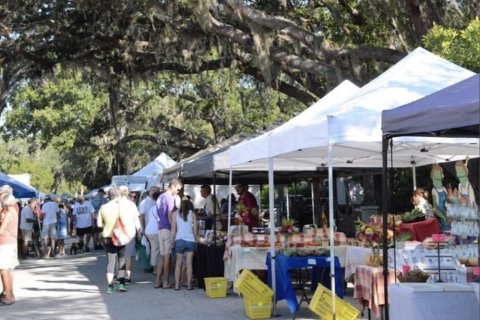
8 243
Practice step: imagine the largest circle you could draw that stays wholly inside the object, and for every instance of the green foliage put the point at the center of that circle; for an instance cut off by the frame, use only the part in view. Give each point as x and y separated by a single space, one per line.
459 46
412 216
18 156
60 112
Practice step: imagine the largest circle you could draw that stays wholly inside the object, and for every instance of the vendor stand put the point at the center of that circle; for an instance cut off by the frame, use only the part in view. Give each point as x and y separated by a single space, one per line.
451 112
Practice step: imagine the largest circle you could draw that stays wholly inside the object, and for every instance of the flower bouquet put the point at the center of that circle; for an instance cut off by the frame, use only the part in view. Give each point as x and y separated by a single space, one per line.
372 235
287 229
241 213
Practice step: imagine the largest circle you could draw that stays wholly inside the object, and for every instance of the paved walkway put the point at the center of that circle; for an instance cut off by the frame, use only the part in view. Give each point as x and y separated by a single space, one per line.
74 287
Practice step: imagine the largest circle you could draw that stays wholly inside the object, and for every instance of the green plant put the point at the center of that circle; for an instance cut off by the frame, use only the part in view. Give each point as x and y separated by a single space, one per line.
412 216
413 275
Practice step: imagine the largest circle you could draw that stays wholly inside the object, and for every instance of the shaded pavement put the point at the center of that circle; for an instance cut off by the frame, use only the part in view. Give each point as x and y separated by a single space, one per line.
74 287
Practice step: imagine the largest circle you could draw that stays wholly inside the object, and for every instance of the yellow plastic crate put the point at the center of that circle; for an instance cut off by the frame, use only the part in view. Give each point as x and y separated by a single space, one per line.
216 287
321 305
258 308
251 287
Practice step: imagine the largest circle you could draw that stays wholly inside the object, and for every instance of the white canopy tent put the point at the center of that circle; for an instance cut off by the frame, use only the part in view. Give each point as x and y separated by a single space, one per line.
176 170
353 127
351 134
154 170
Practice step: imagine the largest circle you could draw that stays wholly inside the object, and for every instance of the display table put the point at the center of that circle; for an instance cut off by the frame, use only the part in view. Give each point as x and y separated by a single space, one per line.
253 258
283 265
421 230
433 301
208 262
369 287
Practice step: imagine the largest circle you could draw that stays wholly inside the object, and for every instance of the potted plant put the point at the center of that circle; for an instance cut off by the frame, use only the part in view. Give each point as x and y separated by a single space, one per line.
413 275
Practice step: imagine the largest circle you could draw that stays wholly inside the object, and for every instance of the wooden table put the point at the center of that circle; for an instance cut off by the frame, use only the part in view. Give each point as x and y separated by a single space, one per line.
369 287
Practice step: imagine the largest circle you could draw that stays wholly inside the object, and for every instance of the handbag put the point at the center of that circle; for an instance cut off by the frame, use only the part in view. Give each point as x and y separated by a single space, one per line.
120 236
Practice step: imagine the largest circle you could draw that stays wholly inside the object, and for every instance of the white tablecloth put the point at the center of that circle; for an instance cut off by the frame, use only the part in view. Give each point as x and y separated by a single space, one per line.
433 301
253 258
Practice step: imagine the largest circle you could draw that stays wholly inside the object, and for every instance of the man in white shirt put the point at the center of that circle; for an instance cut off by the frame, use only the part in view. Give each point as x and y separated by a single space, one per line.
212 208
49 227
150 226
83 215
26 225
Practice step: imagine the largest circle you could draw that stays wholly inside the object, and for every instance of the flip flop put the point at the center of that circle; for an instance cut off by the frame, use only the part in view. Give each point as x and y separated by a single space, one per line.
177 289
191 288
5 303
167 286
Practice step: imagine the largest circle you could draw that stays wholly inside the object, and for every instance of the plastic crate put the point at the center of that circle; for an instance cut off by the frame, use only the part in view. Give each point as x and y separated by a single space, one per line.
321 305
258 308
216 287
251 287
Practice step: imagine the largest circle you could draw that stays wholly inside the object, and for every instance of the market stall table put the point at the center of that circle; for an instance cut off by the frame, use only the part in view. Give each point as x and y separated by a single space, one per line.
239 256
369 287
433 301
284 288
421 230
208 262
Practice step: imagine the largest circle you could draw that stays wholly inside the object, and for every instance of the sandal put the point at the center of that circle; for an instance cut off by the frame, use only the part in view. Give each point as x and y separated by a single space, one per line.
158 285
6 303
168 286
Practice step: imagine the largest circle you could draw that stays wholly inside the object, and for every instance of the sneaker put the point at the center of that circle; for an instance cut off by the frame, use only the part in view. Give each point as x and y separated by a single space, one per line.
111 290
128 281
122 288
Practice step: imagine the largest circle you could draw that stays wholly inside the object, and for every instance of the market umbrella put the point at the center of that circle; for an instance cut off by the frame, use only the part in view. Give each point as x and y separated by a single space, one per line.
20 190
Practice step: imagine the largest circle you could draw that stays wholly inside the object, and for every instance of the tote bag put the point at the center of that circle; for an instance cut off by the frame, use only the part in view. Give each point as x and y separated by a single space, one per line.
120 236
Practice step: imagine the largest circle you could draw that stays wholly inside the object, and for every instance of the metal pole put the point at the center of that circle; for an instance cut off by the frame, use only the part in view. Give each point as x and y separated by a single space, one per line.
313 204
287 202
331 222
214 209
385 223
414 174
271 224
229 219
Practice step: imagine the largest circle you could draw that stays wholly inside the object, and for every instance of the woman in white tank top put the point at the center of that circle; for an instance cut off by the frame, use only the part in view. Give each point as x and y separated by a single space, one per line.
184 231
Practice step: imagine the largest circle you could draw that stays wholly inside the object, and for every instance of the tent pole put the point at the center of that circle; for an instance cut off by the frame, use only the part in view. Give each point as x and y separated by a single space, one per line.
414 173
287 201
313 204
331 222
214 208
229 218
271 224
385 222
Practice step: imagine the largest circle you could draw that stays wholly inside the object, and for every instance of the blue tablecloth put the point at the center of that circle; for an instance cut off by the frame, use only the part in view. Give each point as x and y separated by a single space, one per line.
321 265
